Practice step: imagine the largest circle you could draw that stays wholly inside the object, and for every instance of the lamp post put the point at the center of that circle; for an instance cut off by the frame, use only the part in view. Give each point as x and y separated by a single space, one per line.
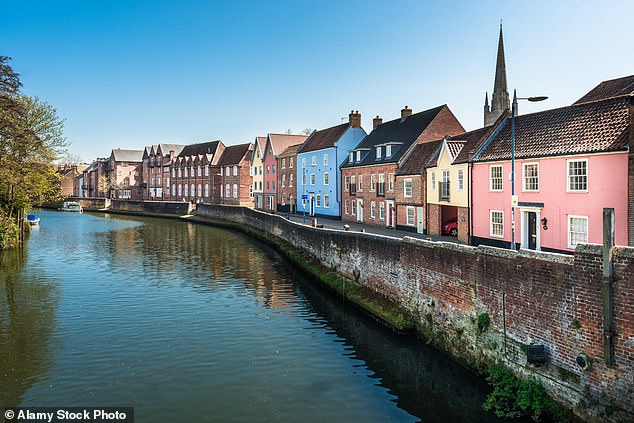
513 199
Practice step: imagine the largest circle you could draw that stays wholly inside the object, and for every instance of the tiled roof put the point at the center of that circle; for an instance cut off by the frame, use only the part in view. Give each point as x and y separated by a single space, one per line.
583 128
121 155
280 142
475 139
324 138
404 132
166 148
607 89
261 142
234 154
201 148
454 148
420 155
290 151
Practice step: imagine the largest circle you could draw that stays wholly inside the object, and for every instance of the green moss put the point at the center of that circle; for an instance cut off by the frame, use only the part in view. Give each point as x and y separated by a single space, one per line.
567 376
589 270
484 321
576 324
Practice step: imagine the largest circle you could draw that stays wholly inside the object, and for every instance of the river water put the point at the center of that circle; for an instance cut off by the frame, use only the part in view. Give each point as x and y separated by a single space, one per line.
189 323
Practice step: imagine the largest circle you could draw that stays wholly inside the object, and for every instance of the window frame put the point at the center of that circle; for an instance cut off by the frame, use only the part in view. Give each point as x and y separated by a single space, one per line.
405 181
491 178
524 178
407 215
491 223
569 233
568 175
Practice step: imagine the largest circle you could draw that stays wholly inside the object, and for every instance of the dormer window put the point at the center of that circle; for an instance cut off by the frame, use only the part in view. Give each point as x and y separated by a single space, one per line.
351 158
358 156
378 153
388 150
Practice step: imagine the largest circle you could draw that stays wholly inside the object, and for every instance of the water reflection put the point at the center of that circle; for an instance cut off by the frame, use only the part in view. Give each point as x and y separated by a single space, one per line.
28 304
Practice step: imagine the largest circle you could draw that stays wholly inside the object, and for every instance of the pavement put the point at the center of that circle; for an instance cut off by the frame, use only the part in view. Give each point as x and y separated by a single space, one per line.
360 227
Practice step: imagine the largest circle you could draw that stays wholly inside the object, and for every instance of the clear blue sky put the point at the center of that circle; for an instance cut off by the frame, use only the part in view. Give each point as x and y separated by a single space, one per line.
132 73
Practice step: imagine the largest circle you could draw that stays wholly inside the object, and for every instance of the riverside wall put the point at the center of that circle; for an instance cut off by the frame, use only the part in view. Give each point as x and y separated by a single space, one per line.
452 291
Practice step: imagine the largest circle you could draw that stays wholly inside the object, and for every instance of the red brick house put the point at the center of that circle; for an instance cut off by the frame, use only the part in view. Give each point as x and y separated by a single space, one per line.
196 173
91 187
410 188
235 175
124 172
368 193
275 144
156 170
286 183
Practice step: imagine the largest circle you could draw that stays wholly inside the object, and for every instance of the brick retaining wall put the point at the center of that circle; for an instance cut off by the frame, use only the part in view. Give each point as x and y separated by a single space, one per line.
550 299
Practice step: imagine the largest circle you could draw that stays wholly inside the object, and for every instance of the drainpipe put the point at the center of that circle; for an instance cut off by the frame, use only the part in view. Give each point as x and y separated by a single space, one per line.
608 276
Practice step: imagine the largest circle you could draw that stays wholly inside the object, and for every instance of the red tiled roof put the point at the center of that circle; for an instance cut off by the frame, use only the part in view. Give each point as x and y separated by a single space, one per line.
607 89
234 154
280 142
418 158
583 128
324 138
475 139
290 151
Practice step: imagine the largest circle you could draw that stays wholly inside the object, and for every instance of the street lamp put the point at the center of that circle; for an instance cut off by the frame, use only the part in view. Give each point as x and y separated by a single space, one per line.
513 199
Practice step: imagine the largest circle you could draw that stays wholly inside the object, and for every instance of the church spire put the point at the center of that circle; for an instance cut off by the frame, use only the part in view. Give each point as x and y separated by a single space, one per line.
500 97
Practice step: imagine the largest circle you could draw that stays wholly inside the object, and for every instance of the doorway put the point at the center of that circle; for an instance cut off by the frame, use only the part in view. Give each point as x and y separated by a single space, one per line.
420 227
359 210
530 233
389 218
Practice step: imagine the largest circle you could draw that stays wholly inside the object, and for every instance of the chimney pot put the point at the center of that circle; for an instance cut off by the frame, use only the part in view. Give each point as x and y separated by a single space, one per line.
376 121
354 119
405 113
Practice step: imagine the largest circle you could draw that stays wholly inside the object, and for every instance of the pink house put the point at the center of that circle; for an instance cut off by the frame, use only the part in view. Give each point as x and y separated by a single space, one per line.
275 144
570 163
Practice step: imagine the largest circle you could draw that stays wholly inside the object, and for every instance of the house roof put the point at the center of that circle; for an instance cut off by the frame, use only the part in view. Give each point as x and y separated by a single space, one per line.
578 129
401 132
607 89
473 140
121 155
418 158
234 154
290 151
201 148
166 148
324 138
280 142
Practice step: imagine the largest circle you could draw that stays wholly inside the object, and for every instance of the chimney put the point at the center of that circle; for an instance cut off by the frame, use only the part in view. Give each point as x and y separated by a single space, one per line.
376 121
171 154
355 119
405 113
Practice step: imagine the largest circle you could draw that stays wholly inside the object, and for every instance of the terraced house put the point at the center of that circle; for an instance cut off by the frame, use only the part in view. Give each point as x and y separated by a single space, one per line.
275 144
235 175
318 169
368 192
195 173
257 174
286 181
124 174
570 163
156 170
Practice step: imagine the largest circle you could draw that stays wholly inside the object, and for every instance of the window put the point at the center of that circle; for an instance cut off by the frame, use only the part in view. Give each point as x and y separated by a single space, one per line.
283 164
268 184
192 172
250 191
260 170
495 178
381 211
388 151
273 185
354 207
273 169
325 159
433 181
192 192
303 161
290 162
411 213
313 161
180 173
378 153
206 170
347 207
200 171
318 200
444 185
268 169
206 190
531 177
372 210
235 190
351 158
326 201
290 180
372 182
180 189
174 190
360 183
326 178
173 173
577 230
460 179
283 196
200 190
407 187
578 175
260 183
390 182
283 180
358 156
312 179
381 186
353 185
496 219
235 171
186 193
304 178
227 190
346 184
185 172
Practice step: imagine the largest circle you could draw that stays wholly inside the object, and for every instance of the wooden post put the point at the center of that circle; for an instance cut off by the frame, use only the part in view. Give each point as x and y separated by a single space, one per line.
608 274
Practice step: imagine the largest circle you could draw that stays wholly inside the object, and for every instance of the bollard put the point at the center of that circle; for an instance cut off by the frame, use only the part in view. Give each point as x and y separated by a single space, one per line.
346 228
314 223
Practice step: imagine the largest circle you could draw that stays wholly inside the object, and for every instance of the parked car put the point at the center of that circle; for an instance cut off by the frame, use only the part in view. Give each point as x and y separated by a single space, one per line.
451 227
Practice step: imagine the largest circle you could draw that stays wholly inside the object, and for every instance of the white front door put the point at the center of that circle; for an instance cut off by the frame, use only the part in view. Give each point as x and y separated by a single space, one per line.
389 214
419 220
359 210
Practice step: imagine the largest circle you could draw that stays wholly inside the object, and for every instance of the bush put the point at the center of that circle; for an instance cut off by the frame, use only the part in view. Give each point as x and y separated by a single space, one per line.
8 233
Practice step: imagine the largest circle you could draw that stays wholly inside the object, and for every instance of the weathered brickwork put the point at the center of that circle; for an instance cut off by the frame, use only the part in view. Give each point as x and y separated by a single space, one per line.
434 216
158 207
415 199
444 124
369 194
530 297
463 224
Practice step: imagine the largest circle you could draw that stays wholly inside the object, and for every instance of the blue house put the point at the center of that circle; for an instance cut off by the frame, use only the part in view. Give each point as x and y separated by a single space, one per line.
318 161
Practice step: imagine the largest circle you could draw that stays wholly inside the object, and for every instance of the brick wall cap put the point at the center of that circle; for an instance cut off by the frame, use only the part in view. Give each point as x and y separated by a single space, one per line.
623 252
589 249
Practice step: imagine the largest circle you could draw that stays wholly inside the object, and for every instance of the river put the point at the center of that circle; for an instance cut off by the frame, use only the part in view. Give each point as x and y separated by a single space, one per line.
192 323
